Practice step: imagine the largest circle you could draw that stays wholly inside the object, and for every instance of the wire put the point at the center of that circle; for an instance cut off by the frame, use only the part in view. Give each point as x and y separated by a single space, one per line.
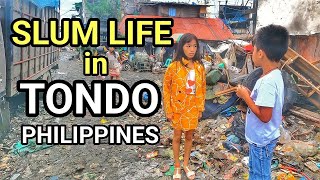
65 12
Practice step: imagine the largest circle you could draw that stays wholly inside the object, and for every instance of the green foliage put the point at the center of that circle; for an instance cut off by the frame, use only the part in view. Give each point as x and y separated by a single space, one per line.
81 49
104 9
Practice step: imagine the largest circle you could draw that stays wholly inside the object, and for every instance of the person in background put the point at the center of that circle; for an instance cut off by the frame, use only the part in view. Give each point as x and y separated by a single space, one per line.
101 51
124 56
207 57
265 102
114 63
184 89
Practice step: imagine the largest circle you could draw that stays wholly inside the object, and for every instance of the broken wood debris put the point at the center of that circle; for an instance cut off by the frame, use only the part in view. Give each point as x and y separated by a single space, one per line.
306 114
227 91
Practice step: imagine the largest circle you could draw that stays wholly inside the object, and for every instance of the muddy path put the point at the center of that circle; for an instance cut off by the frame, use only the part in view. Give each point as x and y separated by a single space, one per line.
80 161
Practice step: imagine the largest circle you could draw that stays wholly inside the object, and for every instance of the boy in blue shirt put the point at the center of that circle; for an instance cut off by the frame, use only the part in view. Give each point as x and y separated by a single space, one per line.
265 102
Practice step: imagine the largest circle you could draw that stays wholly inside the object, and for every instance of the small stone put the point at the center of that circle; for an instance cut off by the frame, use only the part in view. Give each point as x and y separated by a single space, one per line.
77 176
3 166
54 178
154 164
41 171
47 117
15 176
80 168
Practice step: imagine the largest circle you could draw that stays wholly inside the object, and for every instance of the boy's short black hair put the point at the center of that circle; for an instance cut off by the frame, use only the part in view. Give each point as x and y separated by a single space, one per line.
273 40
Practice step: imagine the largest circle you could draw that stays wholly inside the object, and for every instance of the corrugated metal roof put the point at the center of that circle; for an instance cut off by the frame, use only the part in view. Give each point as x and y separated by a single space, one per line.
204 28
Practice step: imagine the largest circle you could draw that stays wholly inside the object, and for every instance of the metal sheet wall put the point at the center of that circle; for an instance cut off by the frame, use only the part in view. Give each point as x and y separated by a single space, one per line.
27 62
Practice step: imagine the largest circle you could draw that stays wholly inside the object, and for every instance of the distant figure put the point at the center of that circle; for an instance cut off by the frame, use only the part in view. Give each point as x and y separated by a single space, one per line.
132 53
124 56
114 63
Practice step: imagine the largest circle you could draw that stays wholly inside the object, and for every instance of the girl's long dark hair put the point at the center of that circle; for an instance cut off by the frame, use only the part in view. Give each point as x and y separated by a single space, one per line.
186 38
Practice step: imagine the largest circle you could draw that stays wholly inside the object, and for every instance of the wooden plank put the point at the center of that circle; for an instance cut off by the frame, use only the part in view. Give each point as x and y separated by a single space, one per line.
312 92
307 73
306 114
315 62
291 53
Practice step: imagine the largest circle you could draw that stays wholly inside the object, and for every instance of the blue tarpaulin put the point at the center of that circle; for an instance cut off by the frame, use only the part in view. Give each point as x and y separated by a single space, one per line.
46 3
212 110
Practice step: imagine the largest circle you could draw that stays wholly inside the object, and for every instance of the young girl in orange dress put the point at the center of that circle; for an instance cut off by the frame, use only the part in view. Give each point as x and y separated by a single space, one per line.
184 89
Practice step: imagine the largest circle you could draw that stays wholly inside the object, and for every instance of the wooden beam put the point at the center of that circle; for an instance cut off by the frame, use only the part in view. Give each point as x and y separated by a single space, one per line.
306 114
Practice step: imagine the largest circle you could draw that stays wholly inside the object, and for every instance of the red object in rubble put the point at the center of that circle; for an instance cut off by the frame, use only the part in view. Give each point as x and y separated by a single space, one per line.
248 48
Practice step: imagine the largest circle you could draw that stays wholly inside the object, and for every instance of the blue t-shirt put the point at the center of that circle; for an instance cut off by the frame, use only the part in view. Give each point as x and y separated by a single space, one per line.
267 92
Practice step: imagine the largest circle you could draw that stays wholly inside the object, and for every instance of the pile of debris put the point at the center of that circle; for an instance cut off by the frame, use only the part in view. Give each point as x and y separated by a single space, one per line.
220 150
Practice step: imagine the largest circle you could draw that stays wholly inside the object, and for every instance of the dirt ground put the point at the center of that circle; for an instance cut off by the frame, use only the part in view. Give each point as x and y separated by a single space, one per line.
99 162
83 161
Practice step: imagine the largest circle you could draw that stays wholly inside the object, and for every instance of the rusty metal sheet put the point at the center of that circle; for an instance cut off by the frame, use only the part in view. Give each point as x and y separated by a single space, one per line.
300 17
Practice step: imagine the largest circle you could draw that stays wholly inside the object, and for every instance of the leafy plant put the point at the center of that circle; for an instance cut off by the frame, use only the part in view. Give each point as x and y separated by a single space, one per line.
104 9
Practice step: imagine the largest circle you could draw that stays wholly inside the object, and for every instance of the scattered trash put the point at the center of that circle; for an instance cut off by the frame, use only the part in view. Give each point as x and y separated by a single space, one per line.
170 171
230 174
3 166
89 176
231 157
245 161
275 164
198 155
103 121
54 178
304 149
219 150
31 147
152 154
145 96
164 167
232 146
285 176
166 153
213 77
285 136
229 111
245 176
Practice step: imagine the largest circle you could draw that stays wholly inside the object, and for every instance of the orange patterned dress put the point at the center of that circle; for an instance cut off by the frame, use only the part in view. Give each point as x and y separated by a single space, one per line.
179 99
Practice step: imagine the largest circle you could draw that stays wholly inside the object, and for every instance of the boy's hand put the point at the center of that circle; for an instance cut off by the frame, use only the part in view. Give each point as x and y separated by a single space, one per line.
243 92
